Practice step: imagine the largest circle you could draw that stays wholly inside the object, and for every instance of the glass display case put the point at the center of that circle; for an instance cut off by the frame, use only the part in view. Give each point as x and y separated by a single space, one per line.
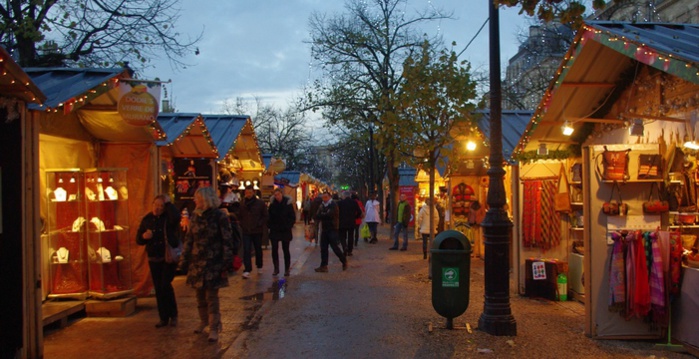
65 234
108 239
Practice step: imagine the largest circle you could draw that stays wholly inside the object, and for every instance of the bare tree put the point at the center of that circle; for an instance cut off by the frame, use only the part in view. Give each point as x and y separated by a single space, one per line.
94 33
361 54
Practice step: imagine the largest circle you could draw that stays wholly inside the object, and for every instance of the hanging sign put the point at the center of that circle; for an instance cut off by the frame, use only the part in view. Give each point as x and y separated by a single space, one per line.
138 107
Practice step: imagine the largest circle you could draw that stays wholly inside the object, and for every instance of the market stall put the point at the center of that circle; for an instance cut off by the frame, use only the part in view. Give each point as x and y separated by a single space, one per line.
20 313
615 128
238 151
187 157
467 186
96 160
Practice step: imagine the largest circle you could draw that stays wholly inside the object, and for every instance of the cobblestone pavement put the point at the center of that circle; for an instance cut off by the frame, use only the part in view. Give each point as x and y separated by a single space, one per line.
380 308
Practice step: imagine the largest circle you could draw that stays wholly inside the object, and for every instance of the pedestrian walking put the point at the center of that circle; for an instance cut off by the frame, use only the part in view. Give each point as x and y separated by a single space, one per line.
403 216
316 202
329 217
208 255
372 216
253 219
306 213
349 212
282 218
358 221
423 224
157 229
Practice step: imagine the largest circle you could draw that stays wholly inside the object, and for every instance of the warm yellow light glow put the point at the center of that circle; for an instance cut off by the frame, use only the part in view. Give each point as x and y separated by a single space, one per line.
692 145
567 129
470 145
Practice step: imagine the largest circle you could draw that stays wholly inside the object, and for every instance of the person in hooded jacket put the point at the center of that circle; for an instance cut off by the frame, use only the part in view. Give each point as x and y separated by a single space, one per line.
281 220
208 254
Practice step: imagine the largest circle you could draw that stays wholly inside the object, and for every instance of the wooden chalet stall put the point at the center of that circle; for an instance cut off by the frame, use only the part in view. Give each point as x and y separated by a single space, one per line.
96 160
20 306
467 181
239 153
632 88
188 157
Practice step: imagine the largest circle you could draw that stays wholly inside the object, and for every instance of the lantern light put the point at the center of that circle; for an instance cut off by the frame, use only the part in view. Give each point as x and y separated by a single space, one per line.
567 129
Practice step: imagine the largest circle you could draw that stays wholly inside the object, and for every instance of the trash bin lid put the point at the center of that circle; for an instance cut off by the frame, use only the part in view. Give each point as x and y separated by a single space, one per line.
452 240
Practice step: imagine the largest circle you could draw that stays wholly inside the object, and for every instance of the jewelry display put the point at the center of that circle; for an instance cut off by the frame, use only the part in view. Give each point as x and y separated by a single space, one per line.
78 223
111 193
90 194
100 192
60 194
99 225
104 255
62 254
123 192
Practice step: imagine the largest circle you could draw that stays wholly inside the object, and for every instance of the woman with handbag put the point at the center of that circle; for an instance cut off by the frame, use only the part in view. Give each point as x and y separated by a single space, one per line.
208 255
159 229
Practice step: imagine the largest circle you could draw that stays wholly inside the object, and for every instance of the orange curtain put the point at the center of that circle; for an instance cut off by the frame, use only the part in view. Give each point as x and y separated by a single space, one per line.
142 179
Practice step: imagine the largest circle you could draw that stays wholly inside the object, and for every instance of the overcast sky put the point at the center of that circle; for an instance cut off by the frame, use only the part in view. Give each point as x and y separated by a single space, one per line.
256 47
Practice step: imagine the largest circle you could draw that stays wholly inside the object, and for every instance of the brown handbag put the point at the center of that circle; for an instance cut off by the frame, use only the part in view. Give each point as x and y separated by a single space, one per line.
562 199
613 207
654 206
614 165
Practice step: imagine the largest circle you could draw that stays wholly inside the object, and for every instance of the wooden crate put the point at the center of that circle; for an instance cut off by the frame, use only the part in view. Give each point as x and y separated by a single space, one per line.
111 308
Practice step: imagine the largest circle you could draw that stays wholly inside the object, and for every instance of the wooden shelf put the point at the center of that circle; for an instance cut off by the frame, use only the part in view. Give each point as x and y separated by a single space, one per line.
577 228
635 181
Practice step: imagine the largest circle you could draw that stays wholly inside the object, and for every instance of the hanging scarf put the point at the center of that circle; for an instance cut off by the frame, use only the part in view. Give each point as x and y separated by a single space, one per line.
617 285
641 285
630 266
657 282
675 262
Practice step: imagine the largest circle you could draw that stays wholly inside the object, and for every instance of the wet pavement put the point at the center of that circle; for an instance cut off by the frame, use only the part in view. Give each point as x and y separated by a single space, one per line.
379 308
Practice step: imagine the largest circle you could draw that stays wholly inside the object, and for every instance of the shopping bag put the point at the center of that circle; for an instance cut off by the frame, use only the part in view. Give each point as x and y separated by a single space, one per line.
310 232
364 231
562 198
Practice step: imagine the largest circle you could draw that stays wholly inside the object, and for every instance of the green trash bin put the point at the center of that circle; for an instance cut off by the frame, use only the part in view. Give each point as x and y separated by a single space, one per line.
451 263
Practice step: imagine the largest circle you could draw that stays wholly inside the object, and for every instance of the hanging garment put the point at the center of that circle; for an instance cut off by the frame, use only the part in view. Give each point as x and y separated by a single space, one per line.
641 286
675 262
657 282
617 284
540 222
630 265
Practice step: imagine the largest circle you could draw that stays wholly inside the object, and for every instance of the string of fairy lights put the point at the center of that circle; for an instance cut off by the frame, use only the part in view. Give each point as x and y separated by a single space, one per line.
628 45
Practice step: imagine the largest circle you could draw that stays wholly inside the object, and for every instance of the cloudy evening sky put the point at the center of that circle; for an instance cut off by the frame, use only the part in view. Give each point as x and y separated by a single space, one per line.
256 48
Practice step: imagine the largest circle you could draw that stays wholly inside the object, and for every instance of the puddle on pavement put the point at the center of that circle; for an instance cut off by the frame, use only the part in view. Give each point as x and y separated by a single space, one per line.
275 292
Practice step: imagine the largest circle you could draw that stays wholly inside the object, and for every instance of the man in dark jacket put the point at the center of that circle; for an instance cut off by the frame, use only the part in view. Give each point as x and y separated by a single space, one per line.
282 218
349 212
315 204
329 217
403 215
253 219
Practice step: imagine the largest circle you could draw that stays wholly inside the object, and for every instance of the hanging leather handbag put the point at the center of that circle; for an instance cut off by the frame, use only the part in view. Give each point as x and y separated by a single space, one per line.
614 165
562 199
614 207
655 206
650 166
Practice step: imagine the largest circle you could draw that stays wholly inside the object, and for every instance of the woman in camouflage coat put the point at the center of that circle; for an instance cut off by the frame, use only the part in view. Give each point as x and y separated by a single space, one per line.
208 255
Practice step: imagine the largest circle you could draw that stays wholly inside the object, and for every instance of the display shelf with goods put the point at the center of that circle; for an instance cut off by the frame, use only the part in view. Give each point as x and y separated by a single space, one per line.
108 239
65 234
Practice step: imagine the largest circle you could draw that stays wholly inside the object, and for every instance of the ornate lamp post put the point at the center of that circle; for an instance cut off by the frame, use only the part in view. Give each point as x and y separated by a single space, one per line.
496 318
